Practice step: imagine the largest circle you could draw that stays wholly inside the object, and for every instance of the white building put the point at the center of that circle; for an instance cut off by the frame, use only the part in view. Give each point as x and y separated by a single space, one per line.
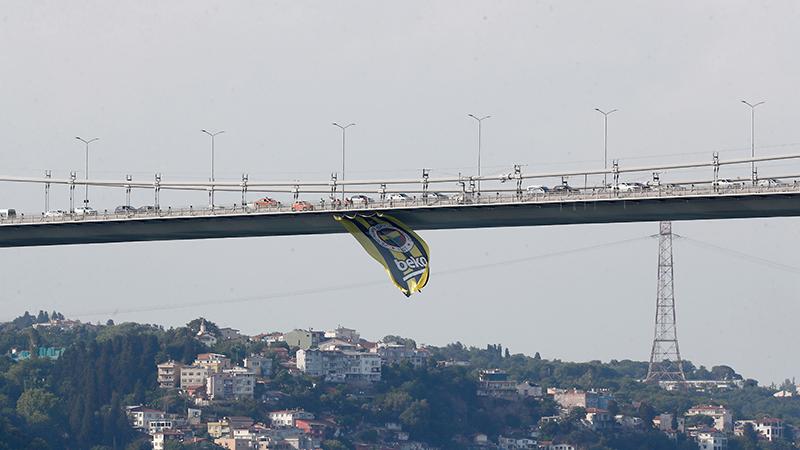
513 443
702 385
160 438
215 362
234 383
723 418
712 440
286 418
528 389
192 376
575 398
598 419
769 428
336 344
140 417
156 426
345 334
392 353
340 366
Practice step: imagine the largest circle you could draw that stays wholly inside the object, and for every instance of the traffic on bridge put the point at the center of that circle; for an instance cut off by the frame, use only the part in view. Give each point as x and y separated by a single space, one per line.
509 199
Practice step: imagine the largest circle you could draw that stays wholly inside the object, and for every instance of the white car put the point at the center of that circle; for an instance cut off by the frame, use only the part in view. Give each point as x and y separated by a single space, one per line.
725 183
630 187
435 196
398 197
361 199
55 213
85 211
770 182
536 190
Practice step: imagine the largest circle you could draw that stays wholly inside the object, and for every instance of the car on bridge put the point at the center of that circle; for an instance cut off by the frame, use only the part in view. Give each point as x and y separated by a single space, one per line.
537 190
435 196
725 183
564 189
302 205
266 202
361 199
399 197
85 211
9 213
55 213
124 209
770 182
630 187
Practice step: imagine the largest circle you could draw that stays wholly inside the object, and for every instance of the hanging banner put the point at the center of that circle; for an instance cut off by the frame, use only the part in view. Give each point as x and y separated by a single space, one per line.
402 252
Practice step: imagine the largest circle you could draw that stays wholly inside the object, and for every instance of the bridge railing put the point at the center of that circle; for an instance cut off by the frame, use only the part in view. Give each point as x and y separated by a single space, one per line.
487 197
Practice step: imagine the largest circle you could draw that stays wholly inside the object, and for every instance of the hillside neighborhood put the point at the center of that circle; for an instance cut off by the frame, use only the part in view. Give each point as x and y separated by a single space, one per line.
198 401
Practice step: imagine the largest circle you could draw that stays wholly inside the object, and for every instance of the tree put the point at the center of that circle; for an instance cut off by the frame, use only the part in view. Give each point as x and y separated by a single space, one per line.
42 317
24 320
724 373
141 444
406 342
211 327
647 413
333 445
700 419
788 385
38 406
417 413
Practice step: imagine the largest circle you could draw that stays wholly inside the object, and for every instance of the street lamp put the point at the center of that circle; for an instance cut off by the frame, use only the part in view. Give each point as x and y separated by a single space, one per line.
86 193
211 193
480 123
605 142
752 136
344 134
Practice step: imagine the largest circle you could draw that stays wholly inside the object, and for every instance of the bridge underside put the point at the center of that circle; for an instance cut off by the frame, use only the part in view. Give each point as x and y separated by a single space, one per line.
419 218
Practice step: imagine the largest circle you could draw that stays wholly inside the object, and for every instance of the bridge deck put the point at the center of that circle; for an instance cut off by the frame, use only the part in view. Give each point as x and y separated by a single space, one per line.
492 211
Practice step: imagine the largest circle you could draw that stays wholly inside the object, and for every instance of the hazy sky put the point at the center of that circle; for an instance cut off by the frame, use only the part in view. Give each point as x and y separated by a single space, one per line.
147 76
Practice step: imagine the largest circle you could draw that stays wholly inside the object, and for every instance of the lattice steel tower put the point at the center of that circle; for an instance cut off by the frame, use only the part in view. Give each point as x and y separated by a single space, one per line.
665 358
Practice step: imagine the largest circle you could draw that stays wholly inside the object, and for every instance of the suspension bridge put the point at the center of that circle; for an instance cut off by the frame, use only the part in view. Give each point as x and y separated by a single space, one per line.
426 203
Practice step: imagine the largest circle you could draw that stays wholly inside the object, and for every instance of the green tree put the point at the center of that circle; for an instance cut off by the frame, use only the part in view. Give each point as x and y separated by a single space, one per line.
700 420
407 342
38 406
211 327
416 415
332 444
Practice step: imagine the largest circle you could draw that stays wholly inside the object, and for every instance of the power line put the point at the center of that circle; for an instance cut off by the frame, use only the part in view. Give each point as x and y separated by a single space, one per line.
352 286
742 255
443 273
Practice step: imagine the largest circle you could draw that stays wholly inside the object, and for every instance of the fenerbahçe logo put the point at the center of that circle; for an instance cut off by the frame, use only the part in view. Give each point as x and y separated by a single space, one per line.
390 237
399 249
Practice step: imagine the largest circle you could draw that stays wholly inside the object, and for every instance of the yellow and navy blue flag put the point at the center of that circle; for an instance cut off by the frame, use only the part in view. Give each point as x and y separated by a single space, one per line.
399 249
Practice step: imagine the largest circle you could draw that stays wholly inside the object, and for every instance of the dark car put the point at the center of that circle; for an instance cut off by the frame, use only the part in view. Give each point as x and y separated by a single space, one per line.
124 209
563 189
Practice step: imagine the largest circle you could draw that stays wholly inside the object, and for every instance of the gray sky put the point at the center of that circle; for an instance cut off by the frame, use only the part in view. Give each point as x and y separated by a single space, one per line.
146 76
